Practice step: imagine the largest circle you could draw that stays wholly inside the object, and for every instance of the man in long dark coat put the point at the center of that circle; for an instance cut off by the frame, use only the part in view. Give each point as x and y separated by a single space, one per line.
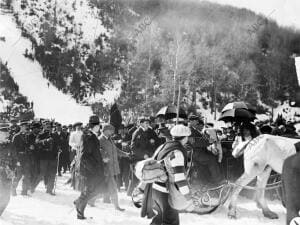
205 163
47 155
62 145
143 144
23 170
90 167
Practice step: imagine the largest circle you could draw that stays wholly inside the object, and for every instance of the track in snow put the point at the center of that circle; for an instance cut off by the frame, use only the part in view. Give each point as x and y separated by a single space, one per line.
43 209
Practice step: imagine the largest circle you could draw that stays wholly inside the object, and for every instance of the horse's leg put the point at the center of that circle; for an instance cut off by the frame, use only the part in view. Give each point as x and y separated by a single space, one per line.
262 180
242 181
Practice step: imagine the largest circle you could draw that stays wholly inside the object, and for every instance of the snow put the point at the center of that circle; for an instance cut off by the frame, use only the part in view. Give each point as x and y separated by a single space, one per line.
43 209
85 19
109 95
48 102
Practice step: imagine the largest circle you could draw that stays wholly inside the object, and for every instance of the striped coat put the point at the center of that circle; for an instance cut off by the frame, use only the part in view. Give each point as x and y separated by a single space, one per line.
175 162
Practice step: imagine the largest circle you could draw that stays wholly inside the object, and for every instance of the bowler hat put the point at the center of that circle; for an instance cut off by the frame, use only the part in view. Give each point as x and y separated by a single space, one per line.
94 120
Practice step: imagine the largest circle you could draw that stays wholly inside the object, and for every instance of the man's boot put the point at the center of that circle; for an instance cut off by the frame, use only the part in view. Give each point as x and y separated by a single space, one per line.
50 192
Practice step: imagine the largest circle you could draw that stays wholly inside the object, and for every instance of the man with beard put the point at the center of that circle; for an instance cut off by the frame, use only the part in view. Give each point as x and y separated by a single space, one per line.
20 144
90 167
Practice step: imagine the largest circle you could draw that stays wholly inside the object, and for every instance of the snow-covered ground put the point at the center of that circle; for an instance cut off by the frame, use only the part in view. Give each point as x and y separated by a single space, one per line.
48 102
70 14
43 209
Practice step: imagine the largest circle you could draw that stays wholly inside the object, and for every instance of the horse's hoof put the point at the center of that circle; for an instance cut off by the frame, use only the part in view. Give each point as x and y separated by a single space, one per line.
232 216
270 215
258 205
231 213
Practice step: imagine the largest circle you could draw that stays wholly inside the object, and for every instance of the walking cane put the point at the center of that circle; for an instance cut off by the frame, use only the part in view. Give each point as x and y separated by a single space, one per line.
59 152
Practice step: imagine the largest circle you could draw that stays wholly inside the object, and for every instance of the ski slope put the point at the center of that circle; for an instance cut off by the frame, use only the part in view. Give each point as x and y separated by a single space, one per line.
43 209
48 102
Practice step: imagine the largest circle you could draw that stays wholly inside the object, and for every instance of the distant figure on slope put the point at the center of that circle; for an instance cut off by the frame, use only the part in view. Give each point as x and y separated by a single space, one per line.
48 84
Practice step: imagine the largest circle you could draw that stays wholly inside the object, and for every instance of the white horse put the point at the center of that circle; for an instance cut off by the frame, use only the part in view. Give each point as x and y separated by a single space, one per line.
261 155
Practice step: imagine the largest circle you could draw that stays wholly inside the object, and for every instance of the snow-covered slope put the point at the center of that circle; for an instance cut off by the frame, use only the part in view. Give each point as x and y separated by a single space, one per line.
42 209
75 15
48 102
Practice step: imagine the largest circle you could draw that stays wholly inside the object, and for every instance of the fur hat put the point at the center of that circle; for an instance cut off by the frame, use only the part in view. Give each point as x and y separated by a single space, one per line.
180 131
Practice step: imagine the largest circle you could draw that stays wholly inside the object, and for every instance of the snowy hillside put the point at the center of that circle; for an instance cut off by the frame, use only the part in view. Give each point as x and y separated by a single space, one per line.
68 39
48 102
42 209
70 15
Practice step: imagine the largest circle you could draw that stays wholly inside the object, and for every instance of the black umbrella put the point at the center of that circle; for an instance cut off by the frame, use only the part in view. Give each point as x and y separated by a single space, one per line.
237 115
239 105
170 112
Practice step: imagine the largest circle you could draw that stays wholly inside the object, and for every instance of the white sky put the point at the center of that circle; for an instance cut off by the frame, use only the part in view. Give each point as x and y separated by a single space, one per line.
285 12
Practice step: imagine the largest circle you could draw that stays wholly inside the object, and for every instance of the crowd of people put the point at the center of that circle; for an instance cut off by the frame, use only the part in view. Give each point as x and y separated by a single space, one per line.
101 157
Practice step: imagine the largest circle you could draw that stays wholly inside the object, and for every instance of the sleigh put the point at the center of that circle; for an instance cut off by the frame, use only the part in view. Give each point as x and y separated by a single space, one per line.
208 199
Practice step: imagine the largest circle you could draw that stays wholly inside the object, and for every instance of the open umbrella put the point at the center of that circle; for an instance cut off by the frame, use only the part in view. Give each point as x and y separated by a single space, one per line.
170 112
237 115
239 105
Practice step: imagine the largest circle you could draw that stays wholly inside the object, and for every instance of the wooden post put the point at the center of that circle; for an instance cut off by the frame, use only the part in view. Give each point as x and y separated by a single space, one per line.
178 101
